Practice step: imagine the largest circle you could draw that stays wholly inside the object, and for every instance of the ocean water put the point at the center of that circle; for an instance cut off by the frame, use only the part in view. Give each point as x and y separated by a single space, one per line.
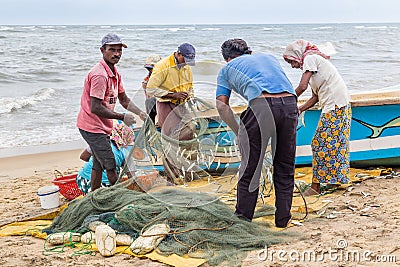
43 67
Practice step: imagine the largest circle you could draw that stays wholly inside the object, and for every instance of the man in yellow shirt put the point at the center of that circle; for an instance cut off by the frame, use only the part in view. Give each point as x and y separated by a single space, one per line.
171 83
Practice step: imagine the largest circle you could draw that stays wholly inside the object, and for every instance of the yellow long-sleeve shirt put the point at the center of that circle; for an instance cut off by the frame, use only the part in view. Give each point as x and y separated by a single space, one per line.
168 78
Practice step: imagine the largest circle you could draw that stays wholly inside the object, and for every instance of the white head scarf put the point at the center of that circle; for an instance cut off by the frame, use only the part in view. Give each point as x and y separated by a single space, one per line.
298 50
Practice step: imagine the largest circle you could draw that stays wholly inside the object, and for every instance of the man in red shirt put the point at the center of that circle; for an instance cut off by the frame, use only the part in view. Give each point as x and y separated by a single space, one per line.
102 87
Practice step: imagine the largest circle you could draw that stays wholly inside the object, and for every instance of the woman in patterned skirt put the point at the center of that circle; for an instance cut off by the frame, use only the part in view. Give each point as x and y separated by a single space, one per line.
330 144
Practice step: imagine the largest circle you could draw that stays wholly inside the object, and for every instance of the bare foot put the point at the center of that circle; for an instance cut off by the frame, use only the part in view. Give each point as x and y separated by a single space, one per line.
314 190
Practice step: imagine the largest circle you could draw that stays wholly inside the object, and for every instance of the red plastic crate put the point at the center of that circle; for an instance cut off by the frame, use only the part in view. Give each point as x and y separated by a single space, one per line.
68 186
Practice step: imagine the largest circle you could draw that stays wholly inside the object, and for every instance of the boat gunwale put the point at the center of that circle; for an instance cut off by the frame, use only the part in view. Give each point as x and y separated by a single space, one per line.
369 99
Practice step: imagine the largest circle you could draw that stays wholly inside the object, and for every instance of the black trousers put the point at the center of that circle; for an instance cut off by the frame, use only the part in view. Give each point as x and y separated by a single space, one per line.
267 121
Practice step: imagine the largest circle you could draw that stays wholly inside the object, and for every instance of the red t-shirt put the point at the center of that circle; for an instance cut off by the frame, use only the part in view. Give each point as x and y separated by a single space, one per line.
100 83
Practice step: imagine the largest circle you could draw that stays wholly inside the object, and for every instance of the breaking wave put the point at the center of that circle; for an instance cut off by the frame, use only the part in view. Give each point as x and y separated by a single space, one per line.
12 104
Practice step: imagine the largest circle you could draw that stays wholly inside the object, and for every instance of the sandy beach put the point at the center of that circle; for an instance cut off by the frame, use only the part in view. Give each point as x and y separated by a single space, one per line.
363 221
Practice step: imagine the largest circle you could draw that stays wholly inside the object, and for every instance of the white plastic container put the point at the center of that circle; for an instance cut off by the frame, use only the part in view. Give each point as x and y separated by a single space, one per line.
88 238
150 239
123 240
49 196
105 240
63 238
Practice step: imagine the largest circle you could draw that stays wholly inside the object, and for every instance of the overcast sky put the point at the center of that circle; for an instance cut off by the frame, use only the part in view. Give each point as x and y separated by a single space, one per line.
109 12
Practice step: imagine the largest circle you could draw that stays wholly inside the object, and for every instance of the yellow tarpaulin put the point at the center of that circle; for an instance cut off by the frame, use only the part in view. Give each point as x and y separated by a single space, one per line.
32 227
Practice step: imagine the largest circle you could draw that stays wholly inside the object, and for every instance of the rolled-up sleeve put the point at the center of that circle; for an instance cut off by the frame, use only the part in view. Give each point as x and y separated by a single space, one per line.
223 87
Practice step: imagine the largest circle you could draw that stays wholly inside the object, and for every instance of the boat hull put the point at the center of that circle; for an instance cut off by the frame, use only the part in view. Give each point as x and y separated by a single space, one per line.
374 136
374 132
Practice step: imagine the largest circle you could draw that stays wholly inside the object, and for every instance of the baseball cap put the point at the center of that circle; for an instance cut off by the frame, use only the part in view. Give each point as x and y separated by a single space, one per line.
111 39
152 60
188 52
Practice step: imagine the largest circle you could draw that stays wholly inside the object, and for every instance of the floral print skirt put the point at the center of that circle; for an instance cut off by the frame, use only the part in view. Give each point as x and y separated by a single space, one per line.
330 147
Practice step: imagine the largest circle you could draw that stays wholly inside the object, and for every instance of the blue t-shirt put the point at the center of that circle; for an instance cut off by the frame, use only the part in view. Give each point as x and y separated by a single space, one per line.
119 155
250 75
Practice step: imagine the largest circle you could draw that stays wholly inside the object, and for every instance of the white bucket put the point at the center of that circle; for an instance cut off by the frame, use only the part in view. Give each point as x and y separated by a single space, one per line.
49 196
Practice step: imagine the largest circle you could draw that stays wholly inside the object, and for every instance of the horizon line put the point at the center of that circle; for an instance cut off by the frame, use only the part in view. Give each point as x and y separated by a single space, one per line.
174 24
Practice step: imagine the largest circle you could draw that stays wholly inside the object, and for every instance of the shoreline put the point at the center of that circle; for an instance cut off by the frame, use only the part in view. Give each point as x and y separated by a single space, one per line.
39 149
38 163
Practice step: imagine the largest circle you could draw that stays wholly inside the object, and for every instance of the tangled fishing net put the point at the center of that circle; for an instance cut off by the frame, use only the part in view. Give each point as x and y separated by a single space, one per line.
192 151
209 231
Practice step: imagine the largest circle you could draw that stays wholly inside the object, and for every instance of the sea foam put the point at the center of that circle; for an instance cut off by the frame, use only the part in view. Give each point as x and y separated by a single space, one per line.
12 104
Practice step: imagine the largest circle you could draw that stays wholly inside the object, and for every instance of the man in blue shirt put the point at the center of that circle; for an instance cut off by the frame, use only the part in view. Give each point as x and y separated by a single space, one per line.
270 119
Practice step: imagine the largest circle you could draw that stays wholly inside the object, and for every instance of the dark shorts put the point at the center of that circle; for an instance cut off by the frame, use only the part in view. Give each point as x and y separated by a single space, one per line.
103 156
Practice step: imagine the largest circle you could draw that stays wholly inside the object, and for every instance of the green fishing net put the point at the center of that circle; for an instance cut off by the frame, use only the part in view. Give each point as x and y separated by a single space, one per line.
194 149
201 225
